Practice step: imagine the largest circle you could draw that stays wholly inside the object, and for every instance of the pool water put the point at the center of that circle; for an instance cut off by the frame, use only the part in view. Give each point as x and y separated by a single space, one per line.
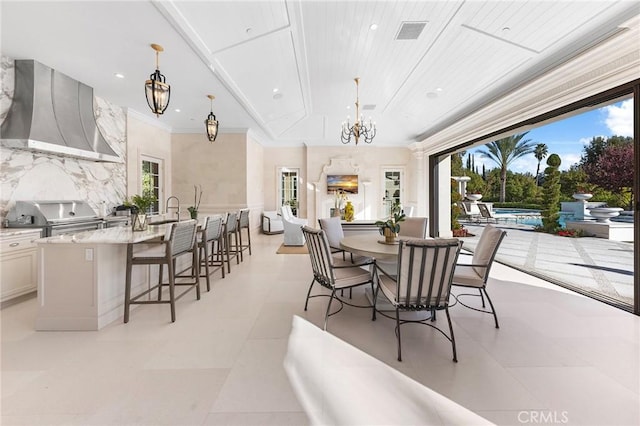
534 219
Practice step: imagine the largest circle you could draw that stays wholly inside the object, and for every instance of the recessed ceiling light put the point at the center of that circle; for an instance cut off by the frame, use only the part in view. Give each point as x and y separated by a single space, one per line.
177 110
275 90
277 96
432 95
248 30
373 27
439 89
506 30
119 75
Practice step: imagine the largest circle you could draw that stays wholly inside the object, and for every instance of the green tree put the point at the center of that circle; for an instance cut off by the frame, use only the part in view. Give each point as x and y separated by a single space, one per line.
592 152
504 151
572 181
540 152
551 195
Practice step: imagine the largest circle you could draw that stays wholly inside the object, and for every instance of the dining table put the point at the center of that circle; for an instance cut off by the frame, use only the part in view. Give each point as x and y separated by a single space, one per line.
370 245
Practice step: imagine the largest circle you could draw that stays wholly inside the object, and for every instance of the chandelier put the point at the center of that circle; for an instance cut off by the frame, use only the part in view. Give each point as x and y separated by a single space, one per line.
156 89
359 129
211 123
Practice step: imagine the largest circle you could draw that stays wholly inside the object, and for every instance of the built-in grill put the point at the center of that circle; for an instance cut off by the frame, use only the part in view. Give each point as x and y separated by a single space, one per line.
54 217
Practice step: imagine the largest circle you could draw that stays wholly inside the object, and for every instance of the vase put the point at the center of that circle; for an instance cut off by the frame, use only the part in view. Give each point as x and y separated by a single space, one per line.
581 196
335 212
604 214
139 222
389 236
474 197
193 213
348 212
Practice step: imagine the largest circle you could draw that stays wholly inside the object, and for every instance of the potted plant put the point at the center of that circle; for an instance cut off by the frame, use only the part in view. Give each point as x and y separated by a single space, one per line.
582 194
390 227
140 206
197 198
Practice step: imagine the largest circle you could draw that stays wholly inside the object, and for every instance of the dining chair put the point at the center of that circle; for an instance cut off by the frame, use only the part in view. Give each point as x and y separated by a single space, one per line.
332 228
211 247
330 275
476 274
180 240
415 227
243 223
422 283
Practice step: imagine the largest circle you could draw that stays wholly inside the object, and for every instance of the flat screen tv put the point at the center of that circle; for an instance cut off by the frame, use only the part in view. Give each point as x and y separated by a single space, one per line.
345 183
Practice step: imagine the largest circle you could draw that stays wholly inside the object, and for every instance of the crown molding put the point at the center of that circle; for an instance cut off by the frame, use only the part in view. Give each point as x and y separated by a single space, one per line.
148 120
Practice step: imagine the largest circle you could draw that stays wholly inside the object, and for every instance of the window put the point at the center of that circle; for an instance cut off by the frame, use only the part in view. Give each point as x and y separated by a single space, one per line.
393 189
288 189
151 181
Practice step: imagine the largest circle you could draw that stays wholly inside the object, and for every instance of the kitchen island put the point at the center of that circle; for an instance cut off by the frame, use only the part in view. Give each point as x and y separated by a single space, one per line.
81 277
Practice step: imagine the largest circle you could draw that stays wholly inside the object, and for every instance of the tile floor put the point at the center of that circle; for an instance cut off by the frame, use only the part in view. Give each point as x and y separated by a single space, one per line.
557 358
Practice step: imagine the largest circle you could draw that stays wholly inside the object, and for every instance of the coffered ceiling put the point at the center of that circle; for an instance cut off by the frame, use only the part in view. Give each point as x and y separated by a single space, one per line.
285 68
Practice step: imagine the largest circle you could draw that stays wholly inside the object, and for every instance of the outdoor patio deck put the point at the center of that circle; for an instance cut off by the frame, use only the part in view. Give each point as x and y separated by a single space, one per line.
588 263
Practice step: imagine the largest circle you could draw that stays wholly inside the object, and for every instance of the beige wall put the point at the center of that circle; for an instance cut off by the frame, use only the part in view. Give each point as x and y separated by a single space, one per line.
146 139
219 167
369 161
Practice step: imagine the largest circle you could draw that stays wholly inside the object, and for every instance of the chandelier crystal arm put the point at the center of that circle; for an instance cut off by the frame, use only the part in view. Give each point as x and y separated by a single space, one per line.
359 128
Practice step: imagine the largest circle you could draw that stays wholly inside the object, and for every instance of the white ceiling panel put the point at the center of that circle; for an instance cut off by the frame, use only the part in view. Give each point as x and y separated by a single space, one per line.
223 24
272 66
310 50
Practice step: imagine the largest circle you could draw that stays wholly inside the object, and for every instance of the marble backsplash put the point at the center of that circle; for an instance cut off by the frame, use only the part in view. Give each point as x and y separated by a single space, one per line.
26 175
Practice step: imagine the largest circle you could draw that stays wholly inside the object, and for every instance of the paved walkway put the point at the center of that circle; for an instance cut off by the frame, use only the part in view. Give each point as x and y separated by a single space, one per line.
592 264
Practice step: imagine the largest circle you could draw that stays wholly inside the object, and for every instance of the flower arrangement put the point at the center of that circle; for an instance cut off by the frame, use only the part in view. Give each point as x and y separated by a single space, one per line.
339 199
197 198
143 202
392 223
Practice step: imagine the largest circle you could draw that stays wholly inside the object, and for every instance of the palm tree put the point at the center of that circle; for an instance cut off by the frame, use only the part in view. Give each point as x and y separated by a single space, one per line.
503 152
540 151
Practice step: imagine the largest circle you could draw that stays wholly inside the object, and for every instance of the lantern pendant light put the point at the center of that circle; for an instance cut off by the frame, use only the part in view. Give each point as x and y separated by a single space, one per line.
211 123
156 89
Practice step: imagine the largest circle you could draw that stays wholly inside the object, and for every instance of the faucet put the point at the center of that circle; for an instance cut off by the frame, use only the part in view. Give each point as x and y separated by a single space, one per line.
176 208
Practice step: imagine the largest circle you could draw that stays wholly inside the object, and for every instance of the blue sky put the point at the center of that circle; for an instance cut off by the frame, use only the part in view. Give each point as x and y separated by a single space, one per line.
568 137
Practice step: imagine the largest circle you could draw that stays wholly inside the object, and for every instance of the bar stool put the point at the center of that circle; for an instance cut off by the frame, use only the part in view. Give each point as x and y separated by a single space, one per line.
181 240
243 223
211 236
231 229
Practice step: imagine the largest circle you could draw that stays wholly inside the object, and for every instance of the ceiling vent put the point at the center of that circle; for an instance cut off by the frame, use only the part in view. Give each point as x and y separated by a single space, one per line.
410 30
368 107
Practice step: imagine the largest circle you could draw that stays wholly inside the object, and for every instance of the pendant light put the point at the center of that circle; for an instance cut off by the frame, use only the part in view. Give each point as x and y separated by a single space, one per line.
211 123
156 89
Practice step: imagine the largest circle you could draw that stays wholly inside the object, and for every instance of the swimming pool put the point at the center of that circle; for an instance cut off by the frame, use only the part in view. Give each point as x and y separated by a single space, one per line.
528 216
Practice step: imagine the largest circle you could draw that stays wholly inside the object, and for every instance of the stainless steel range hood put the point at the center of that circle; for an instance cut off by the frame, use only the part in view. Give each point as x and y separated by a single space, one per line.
53 113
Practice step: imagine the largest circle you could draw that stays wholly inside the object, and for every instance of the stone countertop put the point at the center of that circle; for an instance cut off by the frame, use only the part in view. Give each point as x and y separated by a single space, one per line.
117 235
11 232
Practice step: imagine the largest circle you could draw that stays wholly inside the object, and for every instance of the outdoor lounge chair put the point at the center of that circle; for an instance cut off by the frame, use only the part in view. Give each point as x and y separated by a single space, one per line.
486 214
467 213
490 217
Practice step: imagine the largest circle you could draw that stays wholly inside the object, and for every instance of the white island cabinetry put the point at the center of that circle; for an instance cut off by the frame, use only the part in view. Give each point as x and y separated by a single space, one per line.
81 277
18 259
